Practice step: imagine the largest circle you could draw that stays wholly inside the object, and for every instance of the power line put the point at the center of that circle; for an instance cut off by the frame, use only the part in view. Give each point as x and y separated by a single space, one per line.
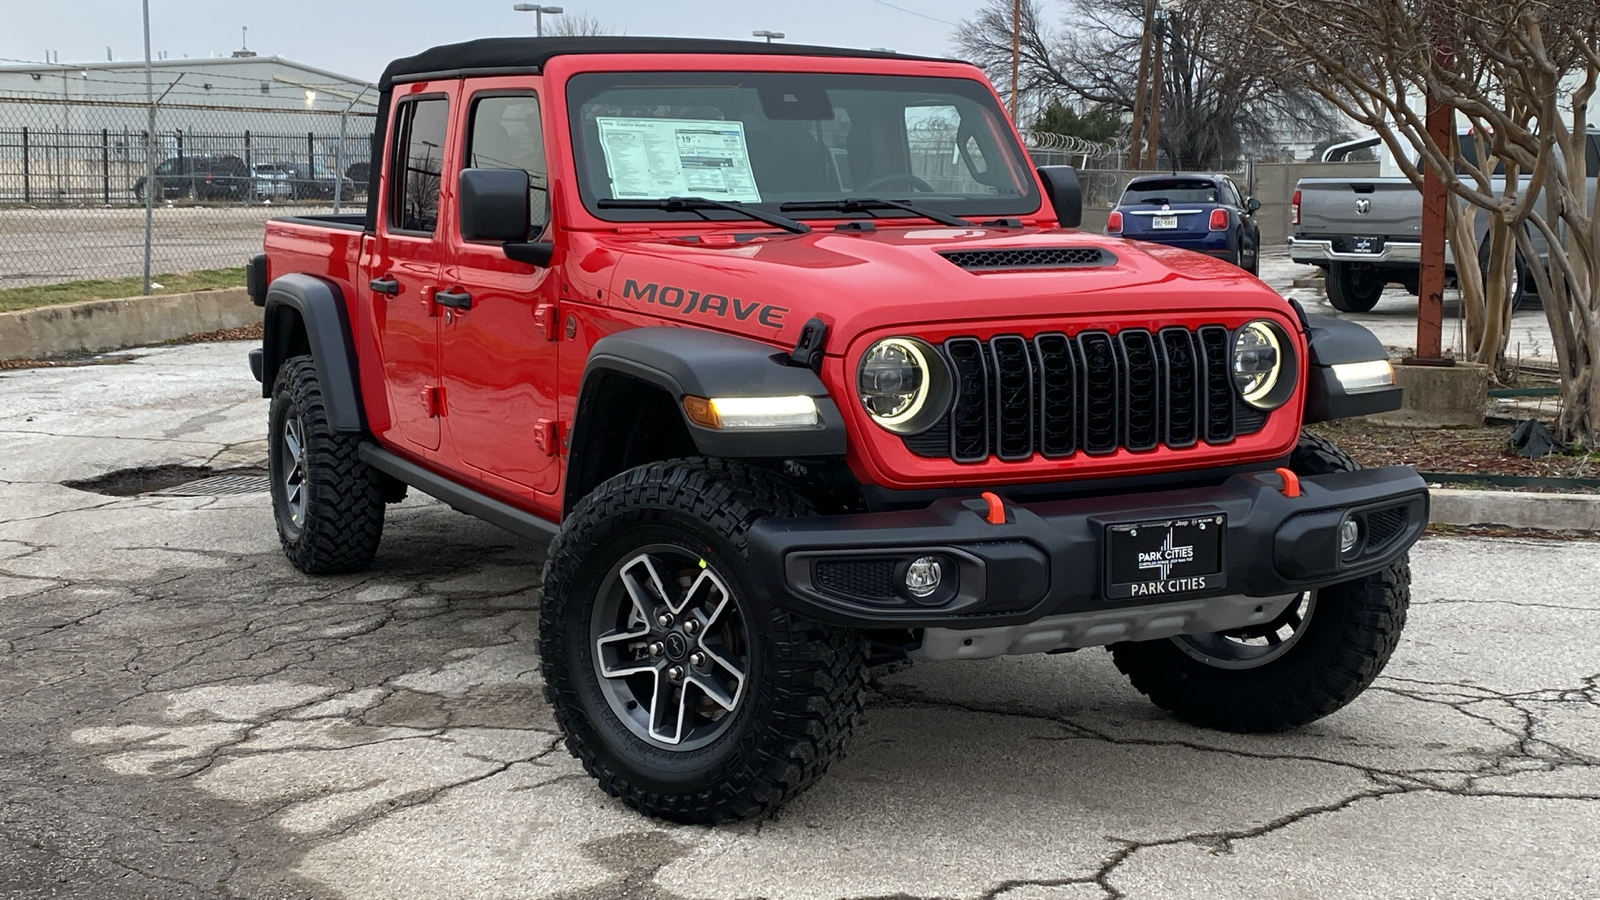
917 14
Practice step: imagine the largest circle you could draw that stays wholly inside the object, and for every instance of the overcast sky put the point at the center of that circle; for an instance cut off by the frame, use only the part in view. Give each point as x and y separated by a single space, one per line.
357 37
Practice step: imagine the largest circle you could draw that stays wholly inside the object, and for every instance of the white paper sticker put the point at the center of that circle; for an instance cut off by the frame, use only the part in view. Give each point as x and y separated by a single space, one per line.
649 159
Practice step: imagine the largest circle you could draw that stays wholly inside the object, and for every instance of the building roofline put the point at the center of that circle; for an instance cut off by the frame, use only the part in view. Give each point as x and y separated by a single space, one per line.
180 64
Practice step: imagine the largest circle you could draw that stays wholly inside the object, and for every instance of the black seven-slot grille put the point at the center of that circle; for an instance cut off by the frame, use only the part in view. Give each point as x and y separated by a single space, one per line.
1093 392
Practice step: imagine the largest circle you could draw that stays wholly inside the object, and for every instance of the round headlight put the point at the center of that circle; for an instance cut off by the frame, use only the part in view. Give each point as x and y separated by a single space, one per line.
1259 354
904 384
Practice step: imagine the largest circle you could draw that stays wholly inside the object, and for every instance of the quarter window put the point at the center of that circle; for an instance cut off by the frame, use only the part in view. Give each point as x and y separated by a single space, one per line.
419 165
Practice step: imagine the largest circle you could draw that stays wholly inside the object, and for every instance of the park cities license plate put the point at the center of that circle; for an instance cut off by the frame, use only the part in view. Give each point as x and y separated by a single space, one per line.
1364 245
1165 222
1160 559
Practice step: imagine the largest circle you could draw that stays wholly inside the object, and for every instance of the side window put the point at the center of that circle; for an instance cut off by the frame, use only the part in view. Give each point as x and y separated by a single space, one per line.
417 165
1230 193
505 134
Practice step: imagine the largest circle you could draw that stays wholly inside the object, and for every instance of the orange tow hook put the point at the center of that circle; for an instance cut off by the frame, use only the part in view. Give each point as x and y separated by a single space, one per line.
997 510
1291 482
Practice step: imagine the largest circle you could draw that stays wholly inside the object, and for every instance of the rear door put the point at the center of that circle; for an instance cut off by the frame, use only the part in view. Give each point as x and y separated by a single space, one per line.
407 261
498 356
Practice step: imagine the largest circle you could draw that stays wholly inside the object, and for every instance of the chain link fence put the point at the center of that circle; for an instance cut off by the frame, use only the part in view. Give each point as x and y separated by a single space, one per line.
73 182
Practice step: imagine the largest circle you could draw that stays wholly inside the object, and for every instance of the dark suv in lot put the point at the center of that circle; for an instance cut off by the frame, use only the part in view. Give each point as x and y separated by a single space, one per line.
200 178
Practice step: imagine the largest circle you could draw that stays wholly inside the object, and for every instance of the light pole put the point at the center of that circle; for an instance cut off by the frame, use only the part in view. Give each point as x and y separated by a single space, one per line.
769 35
149 148
539 12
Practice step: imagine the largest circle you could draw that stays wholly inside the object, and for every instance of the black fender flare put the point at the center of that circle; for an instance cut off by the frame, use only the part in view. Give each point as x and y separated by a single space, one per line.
319 307
1332 341
687 361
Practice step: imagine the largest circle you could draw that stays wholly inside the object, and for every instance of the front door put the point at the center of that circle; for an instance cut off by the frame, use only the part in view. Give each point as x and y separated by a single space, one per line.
406 268
498 357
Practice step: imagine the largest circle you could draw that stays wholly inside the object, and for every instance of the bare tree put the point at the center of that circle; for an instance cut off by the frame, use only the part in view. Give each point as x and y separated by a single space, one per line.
1502 66
577 25
1216 101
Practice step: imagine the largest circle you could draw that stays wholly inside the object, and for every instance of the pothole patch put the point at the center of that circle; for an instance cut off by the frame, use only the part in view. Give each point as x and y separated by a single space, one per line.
174 481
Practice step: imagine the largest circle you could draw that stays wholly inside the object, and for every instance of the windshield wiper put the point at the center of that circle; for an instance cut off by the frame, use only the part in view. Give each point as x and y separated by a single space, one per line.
868 204
699 204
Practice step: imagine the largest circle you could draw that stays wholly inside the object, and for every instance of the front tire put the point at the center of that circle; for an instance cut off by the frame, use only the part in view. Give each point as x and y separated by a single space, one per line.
1320 654
679 689
1353 287
328 504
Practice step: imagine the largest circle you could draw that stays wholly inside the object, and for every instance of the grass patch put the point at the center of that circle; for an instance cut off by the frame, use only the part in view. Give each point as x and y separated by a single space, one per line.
117 288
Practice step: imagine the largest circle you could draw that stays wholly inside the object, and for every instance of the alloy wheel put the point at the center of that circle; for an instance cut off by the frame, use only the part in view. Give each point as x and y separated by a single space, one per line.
671 647
1256 645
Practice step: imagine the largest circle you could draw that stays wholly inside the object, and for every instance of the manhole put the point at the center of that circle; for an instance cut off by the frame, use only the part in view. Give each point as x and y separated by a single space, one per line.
174 481
219 485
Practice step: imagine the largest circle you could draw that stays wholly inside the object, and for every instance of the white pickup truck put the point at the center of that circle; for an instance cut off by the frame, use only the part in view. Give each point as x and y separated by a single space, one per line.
1364 232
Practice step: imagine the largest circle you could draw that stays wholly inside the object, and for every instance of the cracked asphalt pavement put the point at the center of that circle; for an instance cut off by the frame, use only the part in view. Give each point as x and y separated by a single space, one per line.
182 715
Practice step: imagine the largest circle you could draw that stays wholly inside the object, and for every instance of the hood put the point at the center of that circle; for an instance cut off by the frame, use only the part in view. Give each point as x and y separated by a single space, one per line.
767 286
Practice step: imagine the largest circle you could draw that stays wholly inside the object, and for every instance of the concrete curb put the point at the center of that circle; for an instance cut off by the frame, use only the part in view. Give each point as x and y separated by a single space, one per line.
1549 512
94 325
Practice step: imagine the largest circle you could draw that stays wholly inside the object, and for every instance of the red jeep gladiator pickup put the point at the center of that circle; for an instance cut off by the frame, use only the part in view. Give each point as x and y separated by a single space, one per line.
798 362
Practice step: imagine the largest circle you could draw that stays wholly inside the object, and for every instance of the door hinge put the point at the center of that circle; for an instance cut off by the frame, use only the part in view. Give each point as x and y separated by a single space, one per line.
547 436
545 318
433 401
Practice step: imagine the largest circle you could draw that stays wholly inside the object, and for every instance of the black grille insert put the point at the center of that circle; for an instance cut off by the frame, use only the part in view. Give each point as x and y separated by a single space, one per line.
1382 526
1030 258
856 579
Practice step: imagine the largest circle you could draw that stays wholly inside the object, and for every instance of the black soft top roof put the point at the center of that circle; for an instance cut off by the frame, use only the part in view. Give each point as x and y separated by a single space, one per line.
530 54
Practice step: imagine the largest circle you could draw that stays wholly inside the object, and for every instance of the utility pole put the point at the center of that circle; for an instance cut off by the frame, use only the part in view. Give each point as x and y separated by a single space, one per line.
1153 145
149 149
1016 53
1141 85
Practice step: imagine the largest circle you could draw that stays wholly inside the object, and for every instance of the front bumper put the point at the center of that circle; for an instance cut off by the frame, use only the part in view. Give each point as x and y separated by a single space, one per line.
1047 559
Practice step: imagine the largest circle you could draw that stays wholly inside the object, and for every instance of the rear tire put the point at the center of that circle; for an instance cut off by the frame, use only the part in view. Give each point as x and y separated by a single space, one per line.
1353 287
1330 645
328 504
636 561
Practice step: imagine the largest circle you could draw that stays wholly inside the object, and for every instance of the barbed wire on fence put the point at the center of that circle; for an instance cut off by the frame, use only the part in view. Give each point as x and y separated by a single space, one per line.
1049 141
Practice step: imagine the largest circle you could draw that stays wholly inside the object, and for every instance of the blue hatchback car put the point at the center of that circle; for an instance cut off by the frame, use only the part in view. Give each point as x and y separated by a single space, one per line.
1203 213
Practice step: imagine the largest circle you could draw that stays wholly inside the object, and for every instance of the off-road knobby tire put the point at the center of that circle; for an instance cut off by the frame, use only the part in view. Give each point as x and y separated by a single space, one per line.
807 678
343 519
1348 640
1353 290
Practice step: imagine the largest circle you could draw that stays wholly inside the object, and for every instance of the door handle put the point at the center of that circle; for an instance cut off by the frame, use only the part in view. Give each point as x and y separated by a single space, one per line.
462 300
387 286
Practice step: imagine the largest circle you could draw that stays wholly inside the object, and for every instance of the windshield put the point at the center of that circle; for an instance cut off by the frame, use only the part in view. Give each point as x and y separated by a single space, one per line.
1171 190
767 139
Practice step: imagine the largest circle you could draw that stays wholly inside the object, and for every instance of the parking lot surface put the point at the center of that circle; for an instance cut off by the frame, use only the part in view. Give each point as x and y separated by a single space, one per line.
185 715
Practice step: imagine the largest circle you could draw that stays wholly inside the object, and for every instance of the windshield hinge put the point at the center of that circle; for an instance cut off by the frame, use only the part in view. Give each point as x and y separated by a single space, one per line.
807 352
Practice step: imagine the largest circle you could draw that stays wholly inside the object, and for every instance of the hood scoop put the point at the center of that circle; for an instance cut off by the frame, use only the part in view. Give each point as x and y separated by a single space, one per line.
1030 258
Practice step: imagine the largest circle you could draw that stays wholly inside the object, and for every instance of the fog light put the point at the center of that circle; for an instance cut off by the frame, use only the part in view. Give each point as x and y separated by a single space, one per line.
1349 536
923 576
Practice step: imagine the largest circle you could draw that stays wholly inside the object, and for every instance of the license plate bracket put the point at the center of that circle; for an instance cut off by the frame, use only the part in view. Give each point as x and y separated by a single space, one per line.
1164 558
1366 245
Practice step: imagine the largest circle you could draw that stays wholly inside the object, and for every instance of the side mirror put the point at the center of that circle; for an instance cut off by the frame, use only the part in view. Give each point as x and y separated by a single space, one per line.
494 205
1066 196
1252 204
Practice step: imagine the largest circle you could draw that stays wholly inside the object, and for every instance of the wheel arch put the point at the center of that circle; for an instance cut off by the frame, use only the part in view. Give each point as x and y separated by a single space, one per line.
634 384
304 315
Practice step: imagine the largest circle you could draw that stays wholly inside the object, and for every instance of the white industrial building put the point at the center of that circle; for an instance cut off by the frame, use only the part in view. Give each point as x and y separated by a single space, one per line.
77 133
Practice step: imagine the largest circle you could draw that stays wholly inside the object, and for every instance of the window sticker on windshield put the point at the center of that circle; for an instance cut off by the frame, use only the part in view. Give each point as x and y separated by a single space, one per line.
650 159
